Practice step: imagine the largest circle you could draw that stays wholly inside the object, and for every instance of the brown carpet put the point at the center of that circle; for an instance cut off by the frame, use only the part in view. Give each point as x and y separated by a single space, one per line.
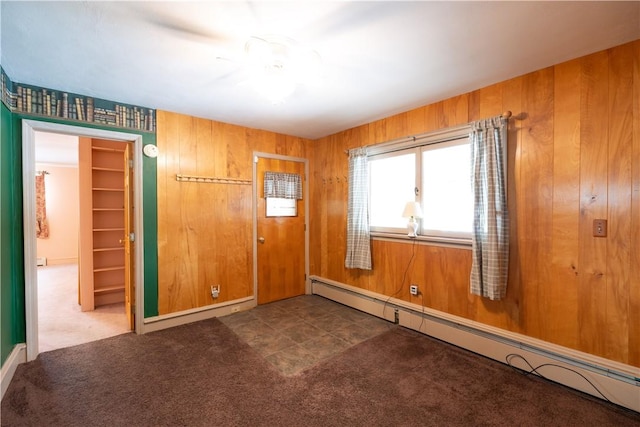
202 374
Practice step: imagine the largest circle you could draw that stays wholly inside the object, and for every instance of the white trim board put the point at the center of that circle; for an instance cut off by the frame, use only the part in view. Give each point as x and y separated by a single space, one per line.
17 356
165 321
620 383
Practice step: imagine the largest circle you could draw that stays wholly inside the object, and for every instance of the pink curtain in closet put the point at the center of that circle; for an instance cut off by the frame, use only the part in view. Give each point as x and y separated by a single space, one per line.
42 226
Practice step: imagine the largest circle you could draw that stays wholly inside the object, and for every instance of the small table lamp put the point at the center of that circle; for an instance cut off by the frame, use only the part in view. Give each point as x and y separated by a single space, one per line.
412 211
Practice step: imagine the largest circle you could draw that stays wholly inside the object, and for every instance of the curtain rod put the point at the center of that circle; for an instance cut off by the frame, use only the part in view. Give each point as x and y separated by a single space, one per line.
506 115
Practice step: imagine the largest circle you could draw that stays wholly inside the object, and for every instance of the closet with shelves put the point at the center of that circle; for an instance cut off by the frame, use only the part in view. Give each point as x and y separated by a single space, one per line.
102 222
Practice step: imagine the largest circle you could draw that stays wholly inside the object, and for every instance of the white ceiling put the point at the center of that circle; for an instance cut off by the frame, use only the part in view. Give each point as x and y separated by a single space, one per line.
56 149
379 58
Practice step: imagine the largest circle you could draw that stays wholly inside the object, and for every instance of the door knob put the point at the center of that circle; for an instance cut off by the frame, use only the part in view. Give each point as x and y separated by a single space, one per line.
261 239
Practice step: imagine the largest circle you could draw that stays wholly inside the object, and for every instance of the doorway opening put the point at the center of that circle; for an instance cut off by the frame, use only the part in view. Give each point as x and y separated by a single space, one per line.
62 319
30 129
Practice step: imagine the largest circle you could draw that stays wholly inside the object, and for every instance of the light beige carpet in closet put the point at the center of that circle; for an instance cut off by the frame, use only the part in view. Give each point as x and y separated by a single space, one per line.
61 323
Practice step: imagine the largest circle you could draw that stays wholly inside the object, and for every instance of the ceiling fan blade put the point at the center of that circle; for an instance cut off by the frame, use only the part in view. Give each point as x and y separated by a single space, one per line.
179 26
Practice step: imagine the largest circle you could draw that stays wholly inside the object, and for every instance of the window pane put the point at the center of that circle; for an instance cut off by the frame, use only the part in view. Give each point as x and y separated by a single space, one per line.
392 183
446 191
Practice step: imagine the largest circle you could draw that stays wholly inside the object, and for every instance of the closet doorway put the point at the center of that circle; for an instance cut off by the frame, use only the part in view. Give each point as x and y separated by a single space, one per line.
62 321
66 272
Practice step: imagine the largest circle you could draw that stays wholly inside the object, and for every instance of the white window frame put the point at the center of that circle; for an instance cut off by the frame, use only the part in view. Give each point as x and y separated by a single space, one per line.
417 144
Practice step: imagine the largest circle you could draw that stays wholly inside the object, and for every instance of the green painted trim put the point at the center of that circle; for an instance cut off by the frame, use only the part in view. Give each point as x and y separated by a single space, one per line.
12 290
150 218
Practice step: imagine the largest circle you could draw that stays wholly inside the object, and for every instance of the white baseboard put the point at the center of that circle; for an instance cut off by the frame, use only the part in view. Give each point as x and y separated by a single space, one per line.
165 321
618 382
17 356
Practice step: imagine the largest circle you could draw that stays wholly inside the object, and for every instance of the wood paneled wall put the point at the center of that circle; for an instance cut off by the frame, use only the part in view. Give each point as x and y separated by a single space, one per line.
204 229
574 156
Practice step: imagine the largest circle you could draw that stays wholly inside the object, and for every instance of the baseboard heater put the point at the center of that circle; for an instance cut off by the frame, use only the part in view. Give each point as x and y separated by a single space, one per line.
603 378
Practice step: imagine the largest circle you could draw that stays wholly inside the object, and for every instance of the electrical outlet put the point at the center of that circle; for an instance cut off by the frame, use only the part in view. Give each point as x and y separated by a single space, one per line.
413 289
215 291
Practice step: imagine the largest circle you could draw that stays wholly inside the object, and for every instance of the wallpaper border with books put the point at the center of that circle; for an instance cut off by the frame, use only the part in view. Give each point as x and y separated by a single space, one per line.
30 99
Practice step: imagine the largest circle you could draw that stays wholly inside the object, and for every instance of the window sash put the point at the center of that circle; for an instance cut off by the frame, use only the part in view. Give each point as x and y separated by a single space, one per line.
394 197
459 185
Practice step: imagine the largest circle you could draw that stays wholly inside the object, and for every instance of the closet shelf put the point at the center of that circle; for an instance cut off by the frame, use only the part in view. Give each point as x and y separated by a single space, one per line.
113 150
106 289
102 169
108 209
117 248
100 270
107 189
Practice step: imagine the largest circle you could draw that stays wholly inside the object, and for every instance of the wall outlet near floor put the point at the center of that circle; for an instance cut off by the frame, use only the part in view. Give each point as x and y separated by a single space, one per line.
215 291
413 289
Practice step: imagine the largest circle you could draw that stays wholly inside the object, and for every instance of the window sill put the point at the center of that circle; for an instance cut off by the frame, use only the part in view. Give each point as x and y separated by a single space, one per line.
460 243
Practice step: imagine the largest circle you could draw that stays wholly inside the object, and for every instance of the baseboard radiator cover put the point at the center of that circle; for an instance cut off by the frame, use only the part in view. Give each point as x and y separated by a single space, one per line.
165 321
618 383
17 356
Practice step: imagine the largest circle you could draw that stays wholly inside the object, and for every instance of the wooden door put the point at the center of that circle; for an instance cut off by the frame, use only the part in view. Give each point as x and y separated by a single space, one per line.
129 239
281 240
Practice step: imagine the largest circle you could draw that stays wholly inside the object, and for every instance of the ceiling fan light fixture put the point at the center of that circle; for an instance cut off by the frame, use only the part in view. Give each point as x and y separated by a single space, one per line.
274 83
278 64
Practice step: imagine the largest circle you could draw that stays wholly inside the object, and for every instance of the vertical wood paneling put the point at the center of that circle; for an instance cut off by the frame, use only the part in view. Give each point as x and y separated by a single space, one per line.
634 270
620 152
562 300
415 121
456 111
574 155
593 202
512 101
205 230
535 211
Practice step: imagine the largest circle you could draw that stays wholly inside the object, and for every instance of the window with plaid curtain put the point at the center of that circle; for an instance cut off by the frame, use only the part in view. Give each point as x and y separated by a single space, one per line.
490 239
358 238
282 185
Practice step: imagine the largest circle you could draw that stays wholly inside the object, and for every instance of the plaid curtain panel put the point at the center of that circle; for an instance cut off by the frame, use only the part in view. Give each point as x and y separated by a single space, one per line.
358 239
282 185
490 254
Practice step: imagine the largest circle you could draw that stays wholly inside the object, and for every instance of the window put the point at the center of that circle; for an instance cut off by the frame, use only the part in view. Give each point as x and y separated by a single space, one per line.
392 183
434 171
447 199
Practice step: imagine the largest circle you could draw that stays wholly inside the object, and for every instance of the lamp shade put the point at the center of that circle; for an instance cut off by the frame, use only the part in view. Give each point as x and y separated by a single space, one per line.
412 209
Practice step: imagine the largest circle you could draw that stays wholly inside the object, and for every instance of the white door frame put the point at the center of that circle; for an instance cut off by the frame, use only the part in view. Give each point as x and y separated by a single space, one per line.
256 156
29 129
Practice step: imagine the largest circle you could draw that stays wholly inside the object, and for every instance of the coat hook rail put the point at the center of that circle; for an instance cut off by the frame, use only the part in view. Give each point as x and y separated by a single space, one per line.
212 180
